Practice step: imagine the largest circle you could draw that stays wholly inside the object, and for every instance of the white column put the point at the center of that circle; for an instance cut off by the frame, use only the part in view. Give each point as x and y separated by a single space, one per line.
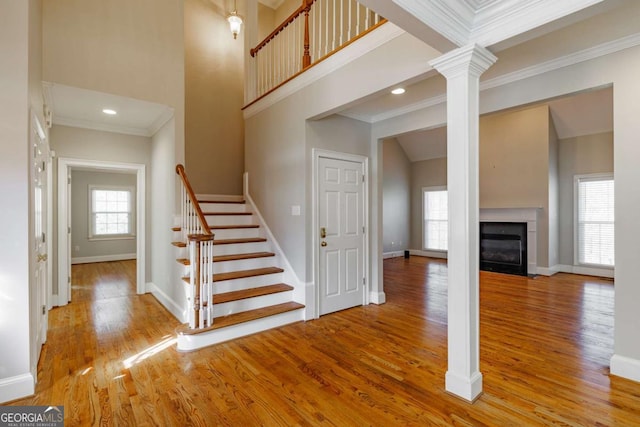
462 68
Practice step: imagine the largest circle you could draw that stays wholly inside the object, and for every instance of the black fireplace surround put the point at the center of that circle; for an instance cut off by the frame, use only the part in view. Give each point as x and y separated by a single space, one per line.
503 247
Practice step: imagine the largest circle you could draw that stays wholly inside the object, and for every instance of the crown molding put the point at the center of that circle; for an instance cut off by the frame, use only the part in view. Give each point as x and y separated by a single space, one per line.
499 21
453 19
273 4
88 124
160 121
588 54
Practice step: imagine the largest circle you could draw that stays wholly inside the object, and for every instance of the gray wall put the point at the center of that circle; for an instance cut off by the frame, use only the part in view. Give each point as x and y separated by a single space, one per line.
396 197
580 155
81 246
425 173
554 195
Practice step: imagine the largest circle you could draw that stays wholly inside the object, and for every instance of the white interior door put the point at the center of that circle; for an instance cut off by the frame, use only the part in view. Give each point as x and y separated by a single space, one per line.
40 188
341 234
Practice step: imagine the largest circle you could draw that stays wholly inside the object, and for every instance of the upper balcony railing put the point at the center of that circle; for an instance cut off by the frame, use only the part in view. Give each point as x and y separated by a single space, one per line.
314 31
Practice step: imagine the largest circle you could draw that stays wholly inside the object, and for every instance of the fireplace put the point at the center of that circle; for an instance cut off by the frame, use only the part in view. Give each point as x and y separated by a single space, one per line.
503 247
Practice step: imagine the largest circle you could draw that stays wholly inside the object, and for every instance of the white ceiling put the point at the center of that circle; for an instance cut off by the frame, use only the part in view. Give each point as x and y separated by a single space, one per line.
72 106
577 115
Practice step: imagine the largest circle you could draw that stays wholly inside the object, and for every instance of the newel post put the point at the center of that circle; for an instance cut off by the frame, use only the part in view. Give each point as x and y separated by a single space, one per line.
306 56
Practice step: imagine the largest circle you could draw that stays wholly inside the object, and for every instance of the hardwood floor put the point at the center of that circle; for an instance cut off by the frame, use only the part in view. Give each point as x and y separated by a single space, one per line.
545 349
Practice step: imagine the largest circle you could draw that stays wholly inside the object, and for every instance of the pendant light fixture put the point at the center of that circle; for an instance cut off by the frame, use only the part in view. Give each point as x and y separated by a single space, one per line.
235 21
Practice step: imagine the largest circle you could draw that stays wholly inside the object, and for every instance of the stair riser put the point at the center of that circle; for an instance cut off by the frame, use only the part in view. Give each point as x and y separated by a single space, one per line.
240 248
246 283
242 264
223 207
250 303
194 342
229 219
236 233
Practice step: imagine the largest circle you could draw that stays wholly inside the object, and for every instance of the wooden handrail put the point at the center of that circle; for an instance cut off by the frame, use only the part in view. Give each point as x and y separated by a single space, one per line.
304 7
185 181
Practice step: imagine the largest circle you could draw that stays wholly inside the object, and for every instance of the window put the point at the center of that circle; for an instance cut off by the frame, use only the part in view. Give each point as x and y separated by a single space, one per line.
436 224
595 220
111 212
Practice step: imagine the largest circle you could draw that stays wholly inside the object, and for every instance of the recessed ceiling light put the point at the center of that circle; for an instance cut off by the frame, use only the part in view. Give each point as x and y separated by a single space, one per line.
109 111
398 91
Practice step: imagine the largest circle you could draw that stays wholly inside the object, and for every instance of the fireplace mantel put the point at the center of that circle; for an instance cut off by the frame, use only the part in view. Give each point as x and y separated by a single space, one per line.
528 215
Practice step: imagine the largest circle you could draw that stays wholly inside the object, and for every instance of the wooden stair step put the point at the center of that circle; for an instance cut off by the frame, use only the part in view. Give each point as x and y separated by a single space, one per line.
242 317
251 293
234 241
234 202
226 213
233 257
232 227
242 274
179 244
176 228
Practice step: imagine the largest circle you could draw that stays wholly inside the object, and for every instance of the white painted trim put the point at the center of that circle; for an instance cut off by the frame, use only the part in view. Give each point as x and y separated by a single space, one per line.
102 258
220 197
64 167
587 54
467 388
381 35
625 367
316 154
547 271
395 254
168 303
429 254
160 121
585 271
17 387
377 298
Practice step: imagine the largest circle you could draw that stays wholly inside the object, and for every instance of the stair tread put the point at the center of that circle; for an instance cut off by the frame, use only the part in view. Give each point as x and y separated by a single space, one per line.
179 244
242 317
233 257
242 274
234 202
226 213
244 240
231 227
176 228
251 293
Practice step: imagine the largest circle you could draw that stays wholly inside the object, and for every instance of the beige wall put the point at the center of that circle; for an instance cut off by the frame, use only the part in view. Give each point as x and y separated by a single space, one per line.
127 48
396 197
286 8
425 173
580 155
266 21
554 195
514 165
214 79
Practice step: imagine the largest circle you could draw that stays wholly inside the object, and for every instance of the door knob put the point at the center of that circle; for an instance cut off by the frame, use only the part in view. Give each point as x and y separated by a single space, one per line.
323 232
323 243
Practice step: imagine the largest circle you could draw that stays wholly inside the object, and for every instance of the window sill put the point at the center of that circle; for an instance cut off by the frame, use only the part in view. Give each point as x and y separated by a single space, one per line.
111 237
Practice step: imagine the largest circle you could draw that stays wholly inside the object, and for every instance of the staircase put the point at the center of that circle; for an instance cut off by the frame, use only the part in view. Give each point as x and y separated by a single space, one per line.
249 295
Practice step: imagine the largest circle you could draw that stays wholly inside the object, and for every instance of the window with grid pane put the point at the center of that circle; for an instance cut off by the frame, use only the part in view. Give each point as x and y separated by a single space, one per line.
436 224
595 220
110 212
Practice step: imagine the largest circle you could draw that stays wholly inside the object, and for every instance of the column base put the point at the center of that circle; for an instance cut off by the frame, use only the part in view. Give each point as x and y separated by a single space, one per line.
463 387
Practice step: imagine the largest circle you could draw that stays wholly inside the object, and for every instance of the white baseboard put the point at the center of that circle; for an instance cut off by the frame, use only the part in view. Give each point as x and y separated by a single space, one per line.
164 299
466 388
548 271
102 258
395 254
430 254
377 298
16 387
625 367
310 301
587 271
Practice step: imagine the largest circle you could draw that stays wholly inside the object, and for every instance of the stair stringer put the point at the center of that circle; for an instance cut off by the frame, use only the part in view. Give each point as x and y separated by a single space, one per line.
302 293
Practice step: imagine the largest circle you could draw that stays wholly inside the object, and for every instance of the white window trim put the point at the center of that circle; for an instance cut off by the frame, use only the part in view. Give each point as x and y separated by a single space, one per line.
425 189
132 215
576 225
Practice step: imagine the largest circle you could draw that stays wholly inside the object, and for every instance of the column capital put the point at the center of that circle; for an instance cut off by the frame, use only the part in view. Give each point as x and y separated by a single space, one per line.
472 59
